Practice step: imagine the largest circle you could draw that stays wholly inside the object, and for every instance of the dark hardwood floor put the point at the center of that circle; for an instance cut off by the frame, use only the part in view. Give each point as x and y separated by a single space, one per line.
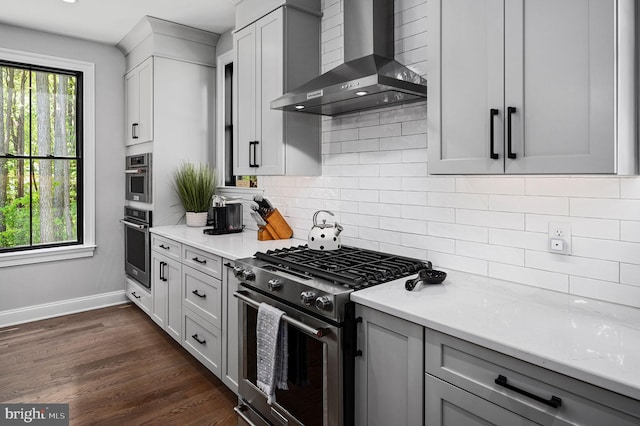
113 366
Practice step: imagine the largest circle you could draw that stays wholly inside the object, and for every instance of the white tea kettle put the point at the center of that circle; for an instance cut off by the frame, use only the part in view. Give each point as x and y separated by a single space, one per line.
324 236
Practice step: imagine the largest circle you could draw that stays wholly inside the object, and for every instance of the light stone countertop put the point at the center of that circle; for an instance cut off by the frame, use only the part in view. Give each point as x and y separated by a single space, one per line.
590 340
230 246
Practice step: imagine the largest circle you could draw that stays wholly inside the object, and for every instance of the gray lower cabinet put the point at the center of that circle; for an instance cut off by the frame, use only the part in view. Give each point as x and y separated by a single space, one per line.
166 287
470 384
229 374
531 86
389 373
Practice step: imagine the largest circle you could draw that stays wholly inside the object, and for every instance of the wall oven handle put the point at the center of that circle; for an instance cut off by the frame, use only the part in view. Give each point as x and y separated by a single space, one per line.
134 225
240 409
317 332
135 171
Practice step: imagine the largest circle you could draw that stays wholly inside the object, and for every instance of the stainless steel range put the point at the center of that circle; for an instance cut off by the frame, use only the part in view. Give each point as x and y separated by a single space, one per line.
312 288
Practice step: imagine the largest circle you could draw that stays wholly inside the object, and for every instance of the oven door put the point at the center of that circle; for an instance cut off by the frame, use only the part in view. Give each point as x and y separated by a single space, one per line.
315 392
136 251
138 185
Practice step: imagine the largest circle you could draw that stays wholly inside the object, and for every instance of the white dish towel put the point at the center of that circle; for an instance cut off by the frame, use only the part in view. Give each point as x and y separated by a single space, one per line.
272 351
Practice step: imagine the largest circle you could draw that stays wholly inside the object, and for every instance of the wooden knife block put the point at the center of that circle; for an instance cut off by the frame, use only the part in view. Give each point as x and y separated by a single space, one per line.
277 228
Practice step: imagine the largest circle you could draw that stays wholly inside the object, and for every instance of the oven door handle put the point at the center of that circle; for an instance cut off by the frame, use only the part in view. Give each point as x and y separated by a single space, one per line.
134 225
317 332
135 171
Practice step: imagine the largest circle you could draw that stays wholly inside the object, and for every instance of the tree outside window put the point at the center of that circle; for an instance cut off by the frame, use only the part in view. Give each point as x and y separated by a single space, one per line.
40 157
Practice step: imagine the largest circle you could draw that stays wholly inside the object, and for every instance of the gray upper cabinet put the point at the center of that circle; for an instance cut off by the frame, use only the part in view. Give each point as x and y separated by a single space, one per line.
273 54
531 86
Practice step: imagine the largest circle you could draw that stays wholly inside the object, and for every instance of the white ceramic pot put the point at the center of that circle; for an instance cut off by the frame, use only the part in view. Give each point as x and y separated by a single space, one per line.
196 218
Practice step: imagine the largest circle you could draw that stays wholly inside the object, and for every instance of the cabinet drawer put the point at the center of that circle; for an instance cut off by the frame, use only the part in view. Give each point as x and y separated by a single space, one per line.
139 296
475 369
202 294
202 261
166 246
202 341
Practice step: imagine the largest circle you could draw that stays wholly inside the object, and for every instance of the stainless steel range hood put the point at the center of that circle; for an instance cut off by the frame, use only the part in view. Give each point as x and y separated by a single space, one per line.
369 78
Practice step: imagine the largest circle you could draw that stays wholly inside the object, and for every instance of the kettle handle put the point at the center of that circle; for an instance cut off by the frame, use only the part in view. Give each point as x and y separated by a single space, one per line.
315 216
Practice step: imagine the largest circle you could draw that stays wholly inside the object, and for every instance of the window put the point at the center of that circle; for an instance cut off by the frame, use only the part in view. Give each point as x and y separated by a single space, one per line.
46 131
40 157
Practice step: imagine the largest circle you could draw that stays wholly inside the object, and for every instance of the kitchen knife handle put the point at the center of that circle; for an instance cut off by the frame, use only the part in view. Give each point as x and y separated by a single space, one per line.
510 112
493 112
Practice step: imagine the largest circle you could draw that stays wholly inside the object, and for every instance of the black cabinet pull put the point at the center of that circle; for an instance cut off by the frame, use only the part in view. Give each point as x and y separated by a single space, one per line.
202 262
197 339
203 296
228 265
133 293
162 246
510 112
161 271
134 134
253 146
493 112
554 402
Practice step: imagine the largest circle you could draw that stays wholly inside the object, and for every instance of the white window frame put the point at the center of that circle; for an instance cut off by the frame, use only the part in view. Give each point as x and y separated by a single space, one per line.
87 248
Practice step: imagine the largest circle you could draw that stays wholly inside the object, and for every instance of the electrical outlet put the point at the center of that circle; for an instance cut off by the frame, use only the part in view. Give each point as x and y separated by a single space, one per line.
560 237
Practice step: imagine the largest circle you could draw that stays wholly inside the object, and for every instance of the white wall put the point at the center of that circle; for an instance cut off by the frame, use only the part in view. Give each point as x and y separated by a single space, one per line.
375 179
26 286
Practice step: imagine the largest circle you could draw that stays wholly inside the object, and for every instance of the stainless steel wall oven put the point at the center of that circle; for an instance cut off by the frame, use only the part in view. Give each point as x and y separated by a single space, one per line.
137 245
138 178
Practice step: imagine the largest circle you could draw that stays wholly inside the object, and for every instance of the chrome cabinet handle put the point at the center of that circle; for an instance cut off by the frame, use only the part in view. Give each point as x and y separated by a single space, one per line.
240 409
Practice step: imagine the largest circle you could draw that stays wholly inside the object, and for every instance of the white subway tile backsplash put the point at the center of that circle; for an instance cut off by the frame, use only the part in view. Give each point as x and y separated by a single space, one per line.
621 251
490 185
605 208
375 178
574 187
529 204
459 263
630 274
490 219
521 239
572 265
630 231
458 232
510 255
603 290
460 201
528 276
409 226
580 227
441 245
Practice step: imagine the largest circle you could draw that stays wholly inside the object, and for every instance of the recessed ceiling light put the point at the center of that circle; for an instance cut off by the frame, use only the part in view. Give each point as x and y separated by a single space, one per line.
361 93
70 1
299 106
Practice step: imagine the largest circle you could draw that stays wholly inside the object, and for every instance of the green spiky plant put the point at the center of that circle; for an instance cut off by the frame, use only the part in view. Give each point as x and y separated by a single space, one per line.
195 186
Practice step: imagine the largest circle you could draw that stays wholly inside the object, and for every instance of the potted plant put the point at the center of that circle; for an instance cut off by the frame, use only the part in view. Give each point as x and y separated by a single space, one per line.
195 186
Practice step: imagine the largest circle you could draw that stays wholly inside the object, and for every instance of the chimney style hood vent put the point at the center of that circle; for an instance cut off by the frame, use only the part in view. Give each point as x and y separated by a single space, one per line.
369 78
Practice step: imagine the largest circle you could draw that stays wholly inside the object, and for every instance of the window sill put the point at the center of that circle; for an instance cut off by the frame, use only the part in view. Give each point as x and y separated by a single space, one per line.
46 255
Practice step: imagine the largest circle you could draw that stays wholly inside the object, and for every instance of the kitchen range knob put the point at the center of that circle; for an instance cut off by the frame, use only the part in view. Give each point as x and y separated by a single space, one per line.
323 303
307 297
274 284
248 275
237 271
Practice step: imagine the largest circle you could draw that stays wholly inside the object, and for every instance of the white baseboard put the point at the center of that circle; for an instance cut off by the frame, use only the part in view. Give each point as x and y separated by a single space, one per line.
63 307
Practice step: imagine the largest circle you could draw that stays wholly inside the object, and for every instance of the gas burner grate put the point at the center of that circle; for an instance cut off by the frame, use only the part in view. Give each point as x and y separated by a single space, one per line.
349 266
